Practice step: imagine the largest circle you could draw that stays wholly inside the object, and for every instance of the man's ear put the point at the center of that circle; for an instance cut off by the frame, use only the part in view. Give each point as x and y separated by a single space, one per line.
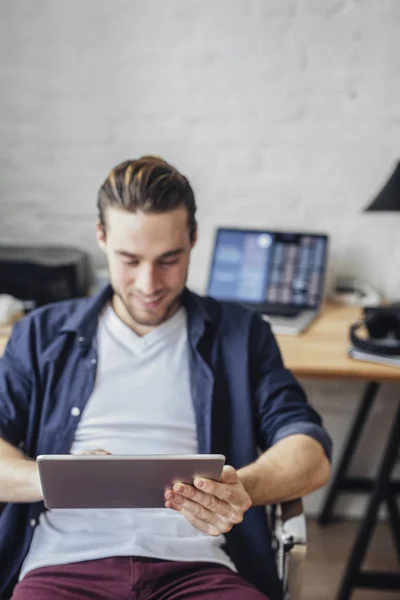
101 236
194 240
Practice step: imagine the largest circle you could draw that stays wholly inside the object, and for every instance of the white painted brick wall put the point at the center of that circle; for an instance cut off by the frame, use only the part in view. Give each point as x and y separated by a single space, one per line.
283 113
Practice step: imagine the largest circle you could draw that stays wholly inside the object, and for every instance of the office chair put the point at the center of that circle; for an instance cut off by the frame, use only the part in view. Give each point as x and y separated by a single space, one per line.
288 526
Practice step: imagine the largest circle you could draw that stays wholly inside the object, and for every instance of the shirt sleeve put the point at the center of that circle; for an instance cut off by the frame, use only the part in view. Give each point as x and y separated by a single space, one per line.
281 404
15 390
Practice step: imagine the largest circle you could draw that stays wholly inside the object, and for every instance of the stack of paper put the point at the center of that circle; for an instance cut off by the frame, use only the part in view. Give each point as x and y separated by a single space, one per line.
392 361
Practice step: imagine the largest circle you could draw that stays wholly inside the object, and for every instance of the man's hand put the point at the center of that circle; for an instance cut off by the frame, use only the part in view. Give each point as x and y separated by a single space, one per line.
213 507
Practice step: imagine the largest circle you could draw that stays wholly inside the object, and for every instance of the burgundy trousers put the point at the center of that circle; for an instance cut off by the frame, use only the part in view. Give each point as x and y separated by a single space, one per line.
132 578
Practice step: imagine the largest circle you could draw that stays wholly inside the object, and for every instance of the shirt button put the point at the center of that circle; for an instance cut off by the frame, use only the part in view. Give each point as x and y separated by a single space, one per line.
93 361
75 412
33 522
81 339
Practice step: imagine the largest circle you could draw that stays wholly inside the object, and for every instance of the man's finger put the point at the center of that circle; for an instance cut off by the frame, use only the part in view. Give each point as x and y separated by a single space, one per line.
201 517
227 492
203 526
211 503
229 475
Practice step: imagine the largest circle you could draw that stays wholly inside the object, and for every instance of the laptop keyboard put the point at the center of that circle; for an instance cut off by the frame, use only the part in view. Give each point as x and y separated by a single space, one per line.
275 310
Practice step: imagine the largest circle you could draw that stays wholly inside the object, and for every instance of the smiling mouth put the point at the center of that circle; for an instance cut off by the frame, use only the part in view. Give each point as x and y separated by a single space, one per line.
150 303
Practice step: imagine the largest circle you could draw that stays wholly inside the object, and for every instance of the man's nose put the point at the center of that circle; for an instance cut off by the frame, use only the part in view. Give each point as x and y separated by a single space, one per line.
146 280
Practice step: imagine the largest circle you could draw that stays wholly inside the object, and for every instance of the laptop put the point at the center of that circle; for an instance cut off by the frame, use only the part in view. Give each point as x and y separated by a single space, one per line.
279 274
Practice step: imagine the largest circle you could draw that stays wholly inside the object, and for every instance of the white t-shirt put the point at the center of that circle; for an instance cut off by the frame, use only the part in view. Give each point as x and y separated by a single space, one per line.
141 404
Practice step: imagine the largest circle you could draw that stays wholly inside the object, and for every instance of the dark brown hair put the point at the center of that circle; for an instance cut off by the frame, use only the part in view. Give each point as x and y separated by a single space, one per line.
148 184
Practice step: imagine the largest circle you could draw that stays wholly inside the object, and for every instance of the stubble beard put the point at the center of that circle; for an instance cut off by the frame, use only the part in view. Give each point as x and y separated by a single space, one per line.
170 309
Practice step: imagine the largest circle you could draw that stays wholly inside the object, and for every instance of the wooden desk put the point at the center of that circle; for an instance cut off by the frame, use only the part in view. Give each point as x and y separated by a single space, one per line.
321 353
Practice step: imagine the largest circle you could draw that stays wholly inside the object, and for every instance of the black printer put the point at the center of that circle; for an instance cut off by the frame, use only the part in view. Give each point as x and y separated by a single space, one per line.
41 274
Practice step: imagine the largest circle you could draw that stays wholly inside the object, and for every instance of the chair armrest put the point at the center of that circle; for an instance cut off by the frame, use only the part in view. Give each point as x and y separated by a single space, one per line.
294 540
294 522
288 526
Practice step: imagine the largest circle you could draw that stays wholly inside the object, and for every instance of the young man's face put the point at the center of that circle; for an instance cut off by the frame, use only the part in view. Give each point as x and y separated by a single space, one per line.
148 260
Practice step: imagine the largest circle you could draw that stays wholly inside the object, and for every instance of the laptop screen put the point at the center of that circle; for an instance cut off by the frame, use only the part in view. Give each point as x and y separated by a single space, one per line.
268 267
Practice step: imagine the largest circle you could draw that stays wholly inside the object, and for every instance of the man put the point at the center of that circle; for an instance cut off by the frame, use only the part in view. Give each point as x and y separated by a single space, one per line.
146 366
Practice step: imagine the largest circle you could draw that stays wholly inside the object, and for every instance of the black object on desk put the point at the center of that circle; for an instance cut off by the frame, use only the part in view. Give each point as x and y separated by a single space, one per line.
43 274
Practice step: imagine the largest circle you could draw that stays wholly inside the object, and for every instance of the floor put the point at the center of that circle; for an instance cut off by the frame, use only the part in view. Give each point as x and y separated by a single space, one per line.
327 551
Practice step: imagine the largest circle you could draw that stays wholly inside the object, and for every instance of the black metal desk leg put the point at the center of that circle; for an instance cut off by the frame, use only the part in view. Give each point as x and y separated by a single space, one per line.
353 576
349 448
394 519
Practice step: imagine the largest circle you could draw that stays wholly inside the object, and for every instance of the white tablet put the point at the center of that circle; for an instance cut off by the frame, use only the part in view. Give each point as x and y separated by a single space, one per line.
111 481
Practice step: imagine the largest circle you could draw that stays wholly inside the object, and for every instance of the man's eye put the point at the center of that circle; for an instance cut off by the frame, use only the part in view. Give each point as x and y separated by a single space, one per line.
131 263
168 263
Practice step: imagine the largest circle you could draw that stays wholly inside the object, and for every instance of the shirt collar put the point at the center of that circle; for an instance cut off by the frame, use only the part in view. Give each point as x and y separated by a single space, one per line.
84 320
198 315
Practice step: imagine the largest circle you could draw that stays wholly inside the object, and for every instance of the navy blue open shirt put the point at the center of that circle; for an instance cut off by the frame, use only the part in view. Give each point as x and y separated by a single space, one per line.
244 401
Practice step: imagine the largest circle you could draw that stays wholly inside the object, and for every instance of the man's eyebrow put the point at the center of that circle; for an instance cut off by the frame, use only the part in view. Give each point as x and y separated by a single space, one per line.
172 253
169 254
